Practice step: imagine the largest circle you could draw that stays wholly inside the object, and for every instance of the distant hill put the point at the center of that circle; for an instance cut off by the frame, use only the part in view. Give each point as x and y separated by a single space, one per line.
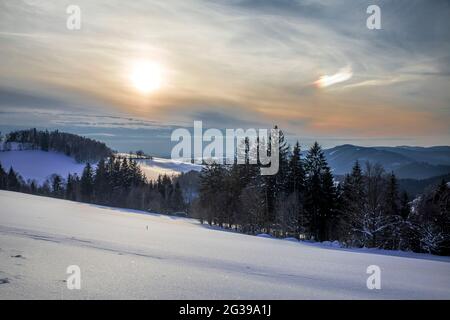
404 161
82 149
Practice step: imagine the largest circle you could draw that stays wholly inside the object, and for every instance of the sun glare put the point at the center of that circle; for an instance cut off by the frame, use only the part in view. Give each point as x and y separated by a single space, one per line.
146 76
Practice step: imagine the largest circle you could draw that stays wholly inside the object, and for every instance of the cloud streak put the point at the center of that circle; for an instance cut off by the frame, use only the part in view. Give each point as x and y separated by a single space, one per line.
342 75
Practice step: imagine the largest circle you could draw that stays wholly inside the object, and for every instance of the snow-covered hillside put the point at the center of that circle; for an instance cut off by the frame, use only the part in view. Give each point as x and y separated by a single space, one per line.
124 254
39 165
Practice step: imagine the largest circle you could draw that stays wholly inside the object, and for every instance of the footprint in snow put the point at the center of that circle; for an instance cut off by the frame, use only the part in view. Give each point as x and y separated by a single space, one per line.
4 280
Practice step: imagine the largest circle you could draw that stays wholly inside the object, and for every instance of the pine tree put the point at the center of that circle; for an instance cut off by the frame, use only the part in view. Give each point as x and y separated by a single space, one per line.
177 198
3 178
101 183
392 234
316 166
70 188
211 199
57 187
405 207
392 197
33 187
87 183
45 141
13 182
282 177
137 177
329 206
353 201
296 176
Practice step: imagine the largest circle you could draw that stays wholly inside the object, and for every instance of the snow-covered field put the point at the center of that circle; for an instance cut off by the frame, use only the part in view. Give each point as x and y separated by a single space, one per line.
126 254
39 165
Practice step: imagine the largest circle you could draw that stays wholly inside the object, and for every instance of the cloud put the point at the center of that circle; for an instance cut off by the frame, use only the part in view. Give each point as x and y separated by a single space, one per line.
257 59
342 75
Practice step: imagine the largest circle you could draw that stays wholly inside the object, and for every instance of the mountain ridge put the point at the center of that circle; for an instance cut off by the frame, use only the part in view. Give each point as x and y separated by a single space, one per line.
405 161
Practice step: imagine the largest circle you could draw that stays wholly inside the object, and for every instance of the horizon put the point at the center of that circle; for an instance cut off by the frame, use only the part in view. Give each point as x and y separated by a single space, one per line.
164 151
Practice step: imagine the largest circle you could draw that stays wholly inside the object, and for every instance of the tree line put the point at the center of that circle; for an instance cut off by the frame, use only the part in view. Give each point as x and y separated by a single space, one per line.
82 149
115 181
304 201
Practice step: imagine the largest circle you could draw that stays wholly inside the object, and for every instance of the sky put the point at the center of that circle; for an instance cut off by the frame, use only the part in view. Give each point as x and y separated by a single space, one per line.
311 67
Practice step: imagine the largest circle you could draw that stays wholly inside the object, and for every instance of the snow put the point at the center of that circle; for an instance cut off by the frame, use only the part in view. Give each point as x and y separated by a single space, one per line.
39 165
152 168
15 146
127 254
264 235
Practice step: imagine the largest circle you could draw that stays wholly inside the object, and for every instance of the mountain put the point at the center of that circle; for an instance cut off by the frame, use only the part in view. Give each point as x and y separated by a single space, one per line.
128 254
405 162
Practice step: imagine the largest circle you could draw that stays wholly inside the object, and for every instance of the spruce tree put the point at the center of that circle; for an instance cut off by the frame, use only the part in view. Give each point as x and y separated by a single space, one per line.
70 188
13 182
296 171
353 203
177 198
87 183
329 205
3 178
315 166
57 187
101 183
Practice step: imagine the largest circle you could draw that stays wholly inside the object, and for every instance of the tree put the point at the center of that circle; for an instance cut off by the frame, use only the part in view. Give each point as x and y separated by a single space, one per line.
405 207
374 221
353 201
3 178
101 183
392 234
328 206
177 198
432 220
296 171
87 183
253 203
289 217
70 193
318 192
211 199
392 197
13 181
57 186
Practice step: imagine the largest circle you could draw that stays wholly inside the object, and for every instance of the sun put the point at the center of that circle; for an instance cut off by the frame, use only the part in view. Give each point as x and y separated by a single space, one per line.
146 76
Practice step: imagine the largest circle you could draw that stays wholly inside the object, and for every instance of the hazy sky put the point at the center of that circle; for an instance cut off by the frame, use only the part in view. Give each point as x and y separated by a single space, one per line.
231 63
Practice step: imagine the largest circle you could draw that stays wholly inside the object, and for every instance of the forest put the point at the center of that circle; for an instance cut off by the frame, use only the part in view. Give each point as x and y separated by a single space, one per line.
82 149
303 200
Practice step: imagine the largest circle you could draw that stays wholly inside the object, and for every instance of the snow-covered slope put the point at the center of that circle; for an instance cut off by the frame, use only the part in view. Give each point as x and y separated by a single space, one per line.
124 254
39 165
